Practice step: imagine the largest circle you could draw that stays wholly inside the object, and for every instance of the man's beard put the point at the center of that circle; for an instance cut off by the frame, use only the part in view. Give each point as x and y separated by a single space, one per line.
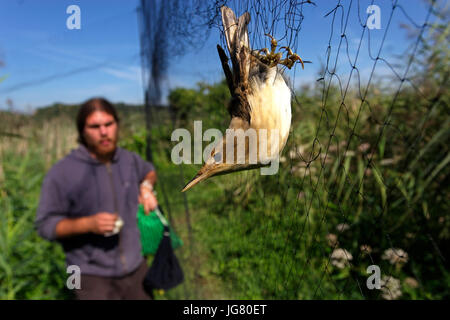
104 151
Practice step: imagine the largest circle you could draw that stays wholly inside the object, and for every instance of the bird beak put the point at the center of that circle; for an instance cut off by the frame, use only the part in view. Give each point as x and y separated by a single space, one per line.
201 175
211 170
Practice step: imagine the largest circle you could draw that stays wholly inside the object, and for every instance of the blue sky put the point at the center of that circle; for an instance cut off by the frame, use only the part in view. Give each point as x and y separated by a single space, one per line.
46 63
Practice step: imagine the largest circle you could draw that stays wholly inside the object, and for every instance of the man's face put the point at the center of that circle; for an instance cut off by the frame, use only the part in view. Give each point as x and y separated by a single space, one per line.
100 133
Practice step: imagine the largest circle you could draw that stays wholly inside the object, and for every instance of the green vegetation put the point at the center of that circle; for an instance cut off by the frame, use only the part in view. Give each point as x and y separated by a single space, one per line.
360 183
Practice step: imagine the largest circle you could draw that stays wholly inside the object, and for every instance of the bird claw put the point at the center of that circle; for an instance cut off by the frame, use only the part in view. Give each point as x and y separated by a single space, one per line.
291 58
271 58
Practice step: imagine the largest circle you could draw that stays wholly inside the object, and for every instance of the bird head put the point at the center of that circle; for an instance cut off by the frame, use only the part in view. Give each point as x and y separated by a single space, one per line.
218 164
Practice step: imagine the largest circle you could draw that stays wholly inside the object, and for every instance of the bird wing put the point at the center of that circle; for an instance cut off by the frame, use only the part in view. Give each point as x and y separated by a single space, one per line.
236 36
230 24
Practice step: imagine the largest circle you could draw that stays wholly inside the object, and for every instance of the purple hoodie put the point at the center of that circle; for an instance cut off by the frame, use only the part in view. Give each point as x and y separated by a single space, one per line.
79 185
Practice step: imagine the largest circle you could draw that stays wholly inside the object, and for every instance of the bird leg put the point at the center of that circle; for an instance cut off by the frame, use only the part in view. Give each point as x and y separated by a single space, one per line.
269 58
273 43
291 58
272 58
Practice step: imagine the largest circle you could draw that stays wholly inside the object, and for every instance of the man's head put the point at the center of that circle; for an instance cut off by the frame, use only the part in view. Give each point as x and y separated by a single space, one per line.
97 125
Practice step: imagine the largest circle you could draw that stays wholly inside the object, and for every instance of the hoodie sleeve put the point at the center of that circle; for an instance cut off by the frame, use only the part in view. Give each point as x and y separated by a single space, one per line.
53 206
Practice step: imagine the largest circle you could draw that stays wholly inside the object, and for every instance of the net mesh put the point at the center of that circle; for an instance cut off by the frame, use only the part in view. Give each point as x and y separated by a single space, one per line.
336 195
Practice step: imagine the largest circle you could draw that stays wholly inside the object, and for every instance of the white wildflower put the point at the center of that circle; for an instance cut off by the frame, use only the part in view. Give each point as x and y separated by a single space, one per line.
341 227
332 240
340 258
395 256
390 288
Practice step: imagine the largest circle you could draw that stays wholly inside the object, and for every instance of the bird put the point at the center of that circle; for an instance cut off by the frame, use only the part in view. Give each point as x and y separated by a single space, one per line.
260 102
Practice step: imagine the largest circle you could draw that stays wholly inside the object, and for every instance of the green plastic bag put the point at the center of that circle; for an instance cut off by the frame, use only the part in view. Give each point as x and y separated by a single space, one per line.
151 227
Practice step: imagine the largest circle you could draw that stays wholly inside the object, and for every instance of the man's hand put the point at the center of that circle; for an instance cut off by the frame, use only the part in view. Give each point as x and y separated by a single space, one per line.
99 223
102 222
148 199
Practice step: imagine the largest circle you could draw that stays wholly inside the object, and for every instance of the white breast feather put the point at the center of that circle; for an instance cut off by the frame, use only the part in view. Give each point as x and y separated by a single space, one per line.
271 104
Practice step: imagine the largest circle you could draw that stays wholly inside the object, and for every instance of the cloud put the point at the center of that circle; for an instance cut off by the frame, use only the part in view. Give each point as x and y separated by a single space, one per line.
131 73
118 70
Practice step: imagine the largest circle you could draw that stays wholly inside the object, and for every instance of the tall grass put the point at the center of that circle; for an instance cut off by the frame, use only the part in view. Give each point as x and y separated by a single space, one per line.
31 268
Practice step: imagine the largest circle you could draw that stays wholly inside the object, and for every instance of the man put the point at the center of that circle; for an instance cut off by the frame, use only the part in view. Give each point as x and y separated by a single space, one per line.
86 193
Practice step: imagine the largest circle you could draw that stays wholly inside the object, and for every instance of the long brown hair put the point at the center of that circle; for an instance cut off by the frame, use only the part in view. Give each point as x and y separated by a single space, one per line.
87 108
